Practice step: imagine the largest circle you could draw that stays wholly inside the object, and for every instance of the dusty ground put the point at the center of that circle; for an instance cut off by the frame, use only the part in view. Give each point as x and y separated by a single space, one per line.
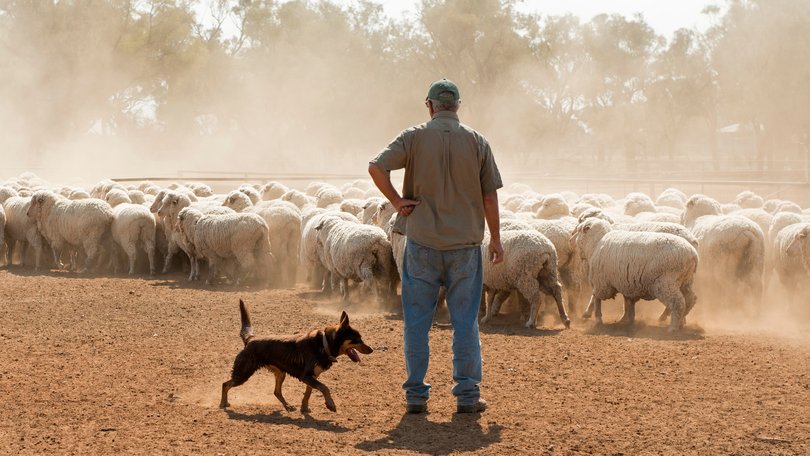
117 365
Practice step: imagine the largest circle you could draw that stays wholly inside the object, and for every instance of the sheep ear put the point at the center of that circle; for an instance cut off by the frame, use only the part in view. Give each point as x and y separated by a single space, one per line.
586 228
319 227
344 320
802 235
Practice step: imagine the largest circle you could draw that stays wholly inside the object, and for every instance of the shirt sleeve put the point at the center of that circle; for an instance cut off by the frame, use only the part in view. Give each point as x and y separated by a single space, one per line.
490 176
394 156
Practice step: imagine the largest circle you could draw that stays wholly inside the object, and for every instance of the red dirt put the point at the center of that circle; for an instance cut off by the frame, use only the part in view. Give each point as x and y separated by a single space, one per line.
118 365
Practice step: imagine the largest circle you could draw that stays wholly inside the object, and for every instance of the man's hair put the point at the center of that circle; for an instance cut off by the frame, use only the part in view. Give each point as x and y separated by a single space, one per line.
439 105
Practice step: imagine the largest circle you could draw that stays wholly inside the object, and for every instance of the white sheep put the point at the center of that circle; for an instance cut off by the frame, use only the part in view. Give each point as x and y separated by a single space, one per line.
21 231
273 190
362 253
298 198
553 206
636 203
370 210
673 198
530 268
284 223
792 260
117 196
732 249
67 223
639 265
251 192
749 200
328 195
240 236
133 223
309 255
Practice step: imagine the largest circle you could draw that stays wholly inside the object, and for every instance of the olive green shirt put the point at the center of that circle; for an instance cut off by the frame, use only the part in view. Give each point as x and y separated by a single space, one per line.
448 168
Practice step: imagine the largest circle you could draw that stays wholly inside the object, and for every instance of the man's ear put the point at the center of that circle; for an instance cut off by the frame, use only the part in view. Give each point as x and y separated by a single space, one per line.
344 320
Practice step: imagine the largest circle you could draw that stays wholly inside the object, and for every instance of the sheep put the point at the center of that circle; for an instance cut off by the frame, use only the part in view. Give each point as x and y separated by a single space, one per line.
64 222
132 223
298 198
732 248
273 190
284 223
313 188
792 259
352 206
251 192
3 258
748 200
383 214
328 195
553 206
353 193
671 198
370 210
530 268
240 236
789 206
309 255
117 196
358 252
21 231
639 265
636 203
169 207
137 196
200 189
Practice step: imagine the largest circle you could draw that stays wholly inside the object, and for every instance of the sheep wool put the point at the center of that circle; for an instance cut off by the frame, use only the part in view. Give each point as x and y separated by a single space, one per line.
66 223
530 267
639 265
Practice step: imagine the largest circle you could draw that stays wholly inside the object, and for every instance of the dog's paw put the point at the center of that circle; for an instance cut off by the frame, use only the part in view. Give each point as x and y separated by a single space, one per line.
224 405
290 408
331 406
305 409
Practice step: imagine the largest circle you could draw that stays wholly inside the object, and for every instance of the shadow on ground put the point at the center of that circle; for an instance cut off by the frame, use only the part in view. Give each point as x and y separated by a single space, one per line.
464 433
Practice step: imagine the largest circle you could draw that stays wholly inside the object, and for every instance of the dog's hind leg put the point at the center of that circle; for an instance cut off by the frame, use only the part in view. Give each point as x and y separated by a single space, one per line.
312 382
243 368
280 376
305 400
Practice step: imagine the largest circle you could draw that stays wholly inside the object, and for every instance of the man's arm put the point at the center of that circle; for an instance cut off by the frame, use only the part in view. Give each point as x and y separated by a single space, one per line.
493 218
382 179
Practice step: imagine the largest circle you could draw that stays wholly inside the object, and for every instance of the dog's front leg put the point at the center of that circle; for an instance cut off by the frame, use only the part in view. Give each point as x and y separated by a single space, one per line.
314 383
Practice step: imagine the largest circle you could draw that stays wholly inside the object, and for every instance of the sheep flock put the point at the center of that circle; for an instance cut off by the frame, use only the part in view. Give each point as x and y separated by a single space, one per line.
565 251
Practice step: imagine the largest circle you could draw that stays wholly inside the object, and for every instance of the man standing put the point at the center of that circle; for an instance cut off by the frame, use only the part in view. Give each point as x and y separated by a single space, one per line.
449 190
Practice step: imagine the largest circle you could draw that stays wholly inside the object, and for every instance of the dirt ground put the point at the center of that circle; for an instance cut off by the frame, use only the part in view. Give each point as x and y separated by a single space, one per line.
119 365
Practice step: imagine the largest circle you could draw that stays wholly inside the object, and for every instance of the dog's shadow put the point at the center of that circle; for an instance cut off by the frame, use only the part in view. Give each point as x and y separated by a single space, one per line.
464 433
277 417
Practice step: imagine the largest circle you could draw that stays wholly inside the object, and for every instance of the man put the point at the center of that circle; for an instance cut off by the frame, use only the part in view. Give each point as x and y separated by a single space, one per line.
450 188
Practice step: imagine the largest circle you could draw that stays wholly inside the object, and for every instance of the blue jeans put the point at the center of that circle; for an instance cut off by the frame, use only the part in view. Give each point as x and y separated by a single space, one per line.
424 271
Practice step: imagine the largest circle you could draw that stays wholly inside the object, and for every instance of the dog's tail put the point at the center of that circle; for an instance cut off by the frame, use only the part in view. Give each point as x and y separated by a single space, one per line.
247 331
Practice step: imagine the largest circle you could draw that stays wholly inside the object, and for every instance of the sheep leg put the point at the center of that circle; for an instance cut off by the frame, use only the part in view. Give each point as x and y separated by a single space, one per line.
690 299
551 287
597 306
171 251
494 301
671 295
629 316
588 310
344 290
150 253
664 315
213 266
92 250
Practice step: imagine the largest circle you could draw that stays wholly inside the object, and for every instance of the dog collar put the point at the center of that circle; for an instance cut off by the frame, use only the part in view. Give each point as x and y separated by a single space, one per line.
326 348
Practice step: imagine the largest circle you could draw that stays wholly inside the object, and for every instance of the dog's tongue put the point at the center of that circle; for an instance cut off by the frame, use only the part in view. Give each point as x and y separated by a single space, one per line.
353 355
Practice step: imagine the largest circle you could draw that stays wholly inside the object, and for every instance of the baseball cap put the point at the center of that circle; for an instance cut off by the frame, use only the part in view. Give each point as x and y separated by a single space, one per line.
438 89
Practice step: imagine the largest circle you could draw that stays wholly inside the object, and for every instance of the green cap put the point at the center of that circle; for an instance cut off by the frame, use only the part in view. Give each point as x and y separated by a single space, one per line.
439 91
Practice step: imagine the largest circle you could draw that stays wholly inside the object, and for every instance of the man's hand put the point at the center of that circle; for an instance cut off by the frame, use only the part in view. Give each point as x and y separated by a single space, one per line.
405 206
495 251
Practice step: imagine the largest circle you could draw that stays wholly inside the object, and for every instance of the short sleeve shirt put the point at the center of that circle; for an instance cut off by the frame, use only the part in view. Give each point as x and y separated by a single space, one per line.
448 168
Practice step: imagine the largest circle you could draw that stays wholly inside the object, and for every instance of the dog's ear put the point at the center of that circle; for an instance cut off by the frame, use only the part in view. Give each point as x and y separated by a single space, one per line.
344 320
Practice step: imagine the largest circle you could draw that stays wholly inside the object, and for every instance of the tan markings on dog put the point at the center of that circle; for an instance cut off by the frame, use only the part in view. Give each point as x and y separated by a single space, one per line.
318 370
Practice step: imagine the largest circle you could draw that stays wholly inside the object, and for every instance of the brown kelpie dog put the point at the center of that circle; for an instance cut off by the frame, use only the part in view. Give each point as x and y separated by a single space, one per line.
304 356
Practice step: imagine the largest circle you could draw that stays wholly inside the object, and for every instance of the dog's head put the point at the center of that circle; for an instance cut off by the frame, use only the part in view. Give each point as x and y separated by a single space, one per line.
348 340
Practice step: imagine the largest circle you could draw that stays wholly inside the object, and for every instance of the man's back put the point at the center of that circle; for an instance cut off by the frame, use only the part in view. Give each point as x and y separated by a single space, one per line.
448 166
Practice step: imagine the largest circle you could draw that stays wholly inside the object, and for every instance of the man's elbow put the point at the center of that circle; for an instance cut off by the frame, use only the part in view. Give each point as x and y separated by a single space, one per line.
374 170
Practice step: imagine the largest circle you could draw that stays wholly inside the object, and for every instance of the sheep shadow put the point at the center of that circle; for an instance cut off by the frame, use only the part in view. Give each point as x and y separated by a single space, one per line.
464 433
279 418
640 330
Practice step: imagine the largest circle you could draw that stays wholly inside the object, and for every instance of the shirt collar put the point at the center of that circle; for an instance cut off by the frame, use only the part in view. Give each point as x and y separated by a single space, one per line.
446 114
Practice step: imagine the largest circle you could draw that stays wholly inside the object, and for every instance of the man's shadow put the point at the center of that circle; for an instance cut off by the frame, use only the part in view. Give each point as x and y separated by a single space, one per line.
415 433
